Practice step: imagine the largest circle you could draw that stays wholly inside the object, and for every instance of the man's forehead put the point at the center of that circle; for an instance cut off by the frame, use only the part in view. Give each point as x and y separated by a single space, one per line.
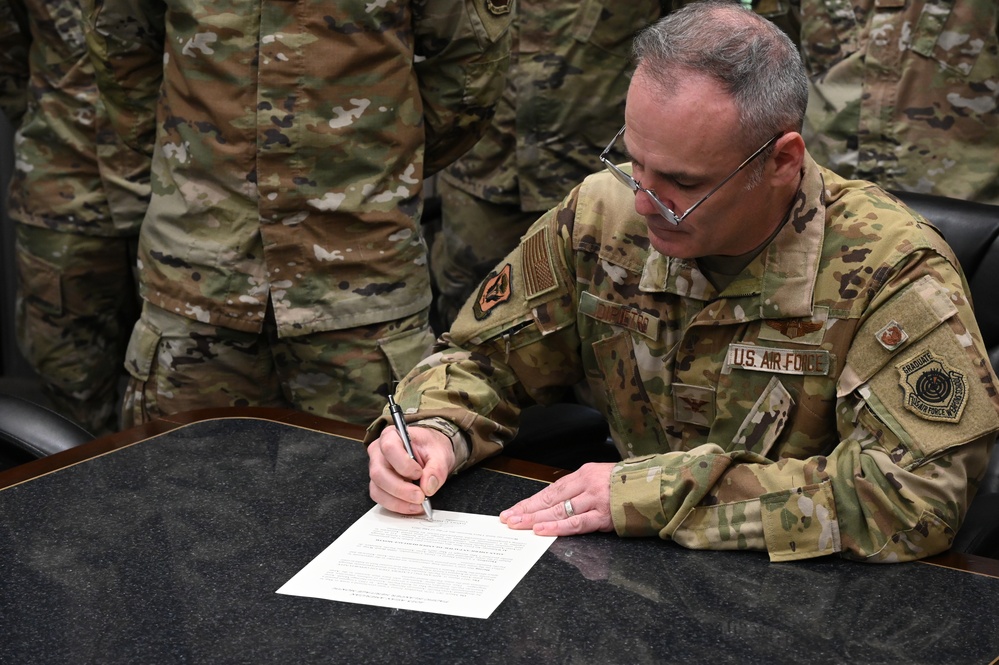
691 138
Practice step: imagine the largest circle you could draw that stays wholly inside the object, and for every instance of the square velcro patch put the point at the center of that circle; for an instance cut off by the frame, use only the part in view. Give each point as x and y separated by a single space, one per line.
537 265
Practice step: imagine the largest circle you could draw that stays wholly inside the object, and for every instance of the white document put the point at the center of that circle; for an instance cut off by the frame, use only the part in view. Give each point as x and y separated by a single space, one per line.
461 564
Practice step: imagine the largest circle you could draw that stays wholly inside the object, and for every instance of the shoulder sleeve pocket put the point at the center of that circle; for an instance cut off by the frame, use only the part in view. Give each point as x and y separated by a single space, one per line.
898 325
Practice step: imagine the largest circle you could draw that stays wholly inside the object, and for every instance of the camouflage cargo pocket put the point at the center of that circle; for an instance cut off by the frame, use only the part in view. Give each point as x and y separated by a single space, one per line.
142 350
140 405
40 283
406 349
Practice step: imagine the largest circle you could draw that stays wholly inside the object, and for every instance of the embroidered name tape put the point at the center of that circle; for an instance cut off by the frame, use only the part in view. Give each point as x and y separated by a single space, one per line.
619 315
779 361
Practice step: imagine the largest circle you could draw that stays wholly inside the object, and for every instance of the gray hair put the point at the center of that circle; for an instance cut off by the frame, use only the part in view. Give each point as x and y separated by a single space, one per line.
748 55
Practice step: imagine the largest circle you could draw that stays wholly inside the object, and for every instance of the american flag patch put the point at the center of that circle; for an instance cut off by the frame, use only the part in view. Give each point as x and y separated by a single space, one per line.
536 264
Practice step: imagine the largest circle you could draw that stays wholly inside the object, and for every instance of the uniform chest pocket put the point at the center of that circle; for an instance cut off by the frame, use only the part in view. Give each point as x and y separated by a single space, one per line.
634 423
762 426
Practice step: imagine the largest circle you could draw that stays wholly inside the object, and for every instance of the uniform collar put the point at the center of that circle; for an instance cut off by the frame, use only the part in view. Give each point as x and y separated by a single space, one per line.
779 282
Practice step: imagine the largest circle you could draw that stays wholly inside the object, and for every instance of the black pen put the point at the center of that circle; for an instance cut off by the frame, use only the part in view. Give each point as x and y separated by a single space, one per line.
400 426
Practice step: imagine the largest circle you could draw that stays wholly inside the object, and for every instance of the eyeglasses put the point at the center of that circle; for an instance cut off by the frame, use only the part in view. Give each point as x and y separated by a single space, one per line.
668 214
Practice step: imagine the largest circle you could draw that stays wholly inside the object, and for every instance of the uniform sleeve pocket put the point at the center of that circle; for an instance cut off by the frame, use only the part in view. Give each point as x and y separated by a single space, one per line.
611 26
828 33
891 329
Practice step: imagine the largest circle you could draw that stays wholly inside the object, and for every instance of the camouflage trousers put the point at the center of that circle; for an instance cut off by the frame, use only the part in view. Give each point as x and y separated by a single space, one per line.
75 308
179 364
474 236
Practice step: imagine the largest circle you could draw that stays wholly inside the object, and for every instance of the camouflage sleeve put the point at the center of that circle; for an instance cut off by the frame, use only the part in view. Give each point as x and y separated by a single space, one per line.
14 43
125 38
462 54
496 360
915 431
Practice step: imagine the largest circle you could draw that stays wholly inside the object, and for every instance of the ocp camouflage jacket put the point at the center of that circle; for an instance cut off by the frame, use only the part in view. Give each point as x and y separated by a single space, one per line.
289 141
834 398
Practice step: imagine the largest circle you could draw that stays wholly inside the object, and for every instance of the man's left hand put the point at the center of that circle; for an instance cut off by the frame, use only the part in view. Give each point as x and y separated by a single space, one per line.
586 493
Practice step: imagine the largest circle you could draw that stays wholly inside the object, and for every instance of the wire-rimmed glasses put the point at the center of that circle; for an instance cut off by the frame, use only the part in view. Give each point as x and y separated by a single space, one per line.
663 209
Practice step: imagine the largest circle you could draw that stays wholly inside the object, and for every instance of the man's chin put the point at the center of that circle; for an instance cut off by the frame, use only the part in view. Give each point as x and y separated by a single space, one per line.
674 246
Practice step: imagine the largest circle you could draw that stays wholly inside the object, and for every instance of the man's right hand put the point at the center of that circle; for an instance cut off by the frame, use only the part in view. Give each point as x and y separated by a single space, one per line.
393 473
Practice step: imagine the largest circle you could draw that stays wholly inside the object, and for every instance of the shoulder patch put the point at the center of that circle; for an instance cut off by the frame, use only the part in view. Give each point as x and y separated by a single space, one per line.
537 265
933 390
496 289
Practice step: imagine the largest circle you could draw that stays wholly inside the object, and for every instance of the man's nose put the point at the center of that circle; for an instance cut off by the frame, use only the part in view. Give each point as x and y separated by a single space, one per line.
645 205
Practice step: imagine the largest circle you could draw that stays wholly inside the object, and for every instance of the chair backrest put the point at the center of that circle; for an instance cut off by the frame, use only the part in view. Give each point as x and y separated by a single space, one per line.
27 429
972 231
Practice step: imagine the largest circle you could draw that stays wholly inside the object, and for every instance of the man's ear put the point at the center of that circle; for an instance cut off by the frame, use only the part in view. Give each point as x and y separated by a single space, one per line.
788 156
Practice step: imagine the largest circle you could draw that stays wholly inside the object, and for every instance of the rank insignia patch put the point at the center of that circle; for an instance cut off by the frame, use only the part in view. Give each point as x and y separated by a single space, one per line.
891 336
933 390
495 290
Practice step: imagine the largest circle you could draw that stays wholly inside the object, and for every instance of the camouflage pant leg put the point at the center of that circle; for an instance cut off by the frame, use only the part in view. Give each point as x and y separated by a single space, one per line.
475 235
179 364
76 304
347 375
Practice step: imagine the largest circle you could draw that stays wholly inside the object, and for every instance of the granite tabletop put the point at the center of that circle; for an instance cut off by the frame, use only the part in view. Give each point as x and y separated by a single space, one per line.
171 551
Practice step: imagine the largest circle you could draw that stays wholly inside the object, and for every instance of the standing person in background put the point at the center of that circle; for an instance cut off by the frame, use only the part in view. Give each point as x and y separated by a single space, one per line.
905 94
281 261
77 196
569 73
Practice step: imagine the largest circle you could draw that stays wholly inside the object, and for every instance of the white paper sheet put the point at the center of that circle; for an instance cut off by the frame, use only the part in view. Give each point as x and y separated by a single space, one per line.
461 564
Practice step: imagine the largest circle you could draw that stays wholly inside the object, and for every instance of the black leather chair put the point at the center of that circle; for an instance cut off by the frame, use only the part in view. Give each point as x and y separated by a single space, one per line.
972 231
29 431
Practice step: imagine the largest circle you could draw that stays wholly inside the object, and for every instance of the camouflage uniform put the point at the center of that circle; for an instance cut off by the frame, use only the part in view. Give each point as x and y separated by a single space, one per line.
289 143
836 397
77 196
564 99
905 94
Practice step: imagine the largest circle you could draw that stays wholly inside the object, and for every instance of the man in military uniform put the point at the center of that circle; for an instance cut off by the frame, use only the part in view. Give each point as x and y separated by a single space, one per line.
569 72
77 196
905 94
281 260
792 364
